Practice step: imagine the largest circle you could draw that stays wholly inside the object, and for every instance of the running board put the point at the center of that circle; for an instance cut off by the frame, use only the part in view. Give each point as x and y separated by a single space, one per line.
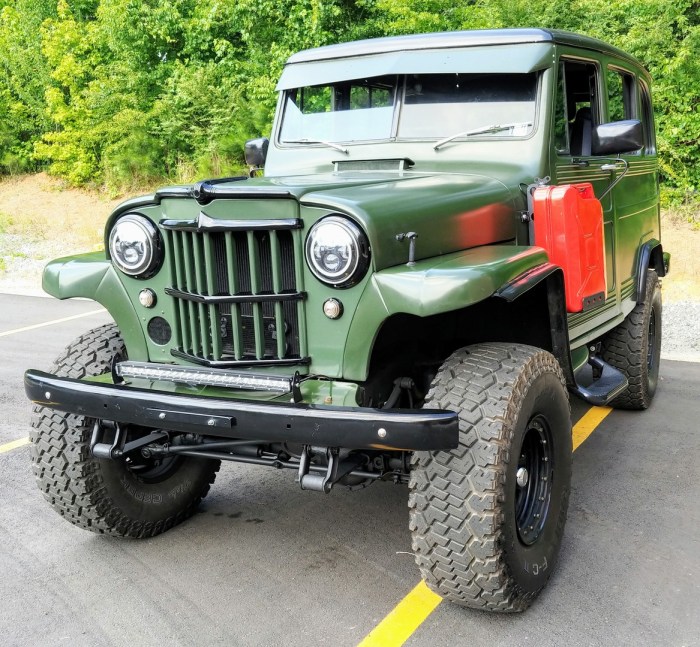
605 388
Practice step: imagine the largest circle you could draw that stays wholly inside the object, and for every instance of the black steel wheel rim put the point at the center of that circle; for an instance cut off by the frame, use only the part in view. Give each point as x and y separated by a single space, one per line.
149 468
533 476
153 470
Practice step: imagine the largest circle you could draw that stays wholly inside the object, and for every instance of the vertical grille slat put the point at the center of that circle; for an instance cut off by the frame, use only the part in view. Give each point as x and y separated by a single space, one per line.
213 314
189 283
175 252
258 340
239 295
299 273
280 325
233 278
288 269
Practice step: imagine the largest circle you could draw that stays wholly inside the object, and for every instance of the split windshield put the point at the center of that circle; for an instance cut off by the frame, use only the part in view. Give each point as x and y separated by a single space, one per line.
415 106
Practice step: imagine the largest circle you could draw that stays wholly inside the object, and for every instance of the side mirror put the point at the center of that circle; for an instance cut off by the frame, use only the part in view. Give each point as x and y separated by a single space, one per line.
617 137
256 151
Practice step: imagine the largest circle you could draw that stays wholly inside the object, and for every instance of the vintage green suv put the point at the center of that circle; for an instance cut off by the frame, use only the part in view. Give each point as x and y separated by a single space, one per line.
451 232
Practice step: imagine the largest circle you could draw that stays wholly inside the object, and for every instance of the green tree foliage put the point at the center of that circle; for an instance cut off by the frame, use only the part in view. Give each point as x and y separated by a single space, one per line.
129 91
24 76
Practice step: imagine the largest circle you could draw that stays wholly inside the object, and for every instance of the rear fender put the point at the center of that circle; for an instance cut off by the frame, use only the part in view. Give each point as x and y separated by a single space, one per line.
651 256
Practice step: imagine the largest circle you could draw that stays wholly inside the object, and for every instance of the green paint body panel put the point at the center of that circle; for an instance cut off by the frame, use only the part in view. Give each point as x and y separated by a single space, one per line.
433 287
91 276
464 201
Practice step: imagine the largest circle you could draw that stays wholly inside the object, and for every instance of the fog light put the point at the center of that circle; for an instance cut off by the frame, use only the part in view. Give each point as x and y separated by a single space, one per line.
147 298
332 308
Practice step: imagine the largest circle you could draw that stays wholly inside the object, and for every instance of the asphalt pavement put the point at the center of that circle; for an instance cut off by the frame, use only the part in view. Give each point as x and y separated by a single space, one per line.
264 563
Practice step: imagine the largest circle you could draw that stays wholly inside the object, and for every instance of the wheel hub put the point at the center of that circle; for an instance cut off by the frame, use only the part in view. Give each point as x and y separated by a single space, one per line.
534 478
522 477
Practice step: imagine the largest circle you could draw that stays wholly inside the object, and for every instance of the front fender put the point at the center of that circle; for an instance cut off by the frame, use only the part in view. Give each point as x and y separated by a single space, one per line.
92 276
432 286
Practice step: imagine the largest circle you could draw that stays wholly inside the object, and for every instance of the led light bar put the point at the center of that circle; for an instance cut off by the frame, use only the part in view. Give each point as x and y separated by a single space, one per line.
205 376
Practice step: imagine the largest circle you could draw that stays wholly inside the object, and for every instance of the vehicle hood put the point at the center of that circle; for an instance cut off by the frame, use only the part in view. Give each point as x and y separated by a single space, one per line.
448 212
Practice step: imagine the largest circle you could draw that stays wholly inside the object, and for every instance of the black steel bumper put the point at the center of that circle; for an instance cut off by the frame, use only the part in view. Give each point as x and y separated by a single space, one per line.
324 426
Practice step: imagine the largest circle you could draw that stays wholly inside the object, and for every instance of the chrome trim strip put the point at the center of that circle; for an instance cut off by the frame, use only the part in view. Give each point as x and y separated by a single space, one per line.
236 298
204 222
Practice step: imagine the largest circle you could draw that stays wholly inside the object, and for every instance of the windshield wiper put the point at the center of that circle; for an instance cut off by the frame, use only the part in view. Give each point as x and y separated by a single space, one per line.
493 128
337 147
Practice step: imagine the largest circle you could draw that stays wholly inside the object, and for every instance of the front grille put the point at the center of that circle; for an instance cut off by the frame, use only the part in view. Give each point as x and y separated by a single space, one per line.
238 292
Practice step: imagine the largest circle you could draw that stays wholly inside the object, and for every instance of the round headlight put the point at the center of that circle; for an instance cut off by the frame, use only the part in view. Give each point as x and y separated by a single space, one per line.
337 251
134 246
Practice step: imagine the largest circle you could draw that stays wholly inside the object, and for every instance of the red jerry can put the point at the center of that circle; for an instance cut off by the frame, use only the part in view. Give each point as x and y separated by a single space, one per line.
568 223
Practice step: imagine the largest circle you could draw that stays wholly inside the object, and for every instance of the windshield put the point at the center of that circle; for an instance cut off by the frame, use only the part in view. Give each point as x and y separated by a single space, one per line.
431 106
342 112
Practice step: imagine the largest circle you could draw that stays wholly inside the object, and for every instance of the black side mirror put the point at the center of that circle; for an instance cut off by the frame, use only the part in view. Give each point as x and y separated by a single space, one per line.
617 137
256 151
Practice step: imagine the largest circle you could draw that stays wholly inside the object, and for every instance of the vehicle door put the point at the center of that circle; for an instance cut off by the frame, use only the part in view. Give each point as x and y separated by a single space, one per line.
579 107
635 195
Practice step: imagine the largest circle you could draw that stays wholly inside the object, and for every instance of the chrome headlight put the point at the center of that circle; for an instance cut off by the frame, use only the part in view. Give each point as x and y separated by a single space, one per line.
337 251
134 245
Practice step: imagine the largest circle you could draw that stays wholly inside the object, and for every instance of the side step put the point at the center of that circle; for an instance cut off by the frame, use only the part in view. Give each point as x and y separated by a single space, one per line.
605 388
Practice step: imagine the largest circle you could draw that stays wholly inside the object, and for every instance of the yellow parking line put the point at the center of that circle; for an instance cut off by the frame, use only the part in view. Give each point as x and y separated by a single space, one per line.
588 424
416 607
404 619
51 323
15 444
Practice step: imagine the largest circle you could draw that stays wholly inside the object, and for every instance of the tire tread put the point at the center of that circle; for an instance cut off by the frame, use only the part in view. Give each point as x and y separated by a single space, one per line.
455 501
624 347
67 475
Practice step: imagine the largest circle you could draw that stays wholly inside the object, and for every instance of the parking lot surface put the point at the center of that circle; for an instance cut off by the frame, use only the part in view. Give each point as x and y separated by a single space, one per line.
264 563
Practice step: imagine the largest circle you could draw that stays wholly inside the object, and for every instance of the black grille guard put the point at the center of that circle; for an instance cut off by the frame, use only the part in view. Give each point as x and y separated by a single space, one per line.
308 424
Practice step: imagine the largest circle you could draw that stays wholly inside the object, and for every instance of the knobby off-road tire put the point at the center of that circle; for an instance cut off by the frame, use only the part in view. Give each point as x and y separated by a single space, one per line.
634 348
480 539
107 496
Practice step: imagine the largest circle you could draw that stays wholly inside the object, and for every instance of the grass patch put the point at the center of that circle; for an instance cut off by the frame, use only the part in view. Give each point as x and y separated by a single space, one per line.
6 221
31 228
688 214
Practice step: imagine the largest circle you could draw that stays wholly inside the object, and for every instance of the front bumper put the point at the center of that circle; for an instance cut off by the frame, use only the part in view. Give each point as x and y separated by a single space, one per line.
308 424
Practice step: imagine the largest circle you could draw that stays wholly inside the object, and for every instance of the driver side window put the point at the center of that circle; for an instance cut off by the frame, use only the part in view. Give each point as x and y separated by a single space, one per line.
577 111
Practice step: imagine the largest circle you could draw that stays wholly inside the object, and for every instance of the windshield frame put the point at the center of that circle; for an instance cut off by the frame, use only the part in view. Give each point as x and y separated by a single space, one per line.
398 107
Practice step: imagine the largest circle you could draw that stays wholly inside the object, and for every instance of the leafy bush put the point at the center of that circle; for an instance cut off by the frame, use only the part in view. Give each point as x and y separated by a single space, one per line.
126 92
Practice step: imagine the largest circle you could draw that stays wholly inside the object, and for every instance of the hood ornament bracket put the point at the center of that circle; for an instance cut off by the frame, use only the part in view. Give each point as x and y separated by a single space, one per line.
411 237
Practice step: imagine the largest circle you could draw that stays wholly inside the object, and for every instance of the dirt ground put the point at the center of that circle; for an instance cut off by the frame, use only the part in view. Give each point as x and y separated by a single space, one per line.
41 219
683 281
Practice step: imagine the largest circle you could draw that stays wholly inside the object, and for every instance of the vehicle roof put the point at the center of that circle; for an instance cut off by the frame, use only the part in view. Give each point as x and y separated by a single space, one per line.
457 39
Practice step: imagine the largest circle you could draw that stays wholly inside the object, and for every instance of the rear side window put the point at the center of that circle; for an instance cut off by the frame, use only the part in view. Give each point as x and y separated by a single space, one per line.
621 95
648 121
